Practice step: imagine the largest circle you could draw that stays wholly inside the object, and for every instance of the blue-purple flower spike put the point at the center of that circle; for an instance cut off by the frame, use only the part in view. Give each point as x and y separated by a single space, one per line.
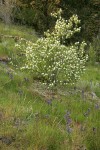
49 102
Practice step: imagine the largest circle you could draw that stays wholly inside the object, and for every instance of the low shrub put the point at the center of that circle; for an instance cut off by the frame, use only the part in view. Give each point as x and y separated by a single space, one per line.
50 59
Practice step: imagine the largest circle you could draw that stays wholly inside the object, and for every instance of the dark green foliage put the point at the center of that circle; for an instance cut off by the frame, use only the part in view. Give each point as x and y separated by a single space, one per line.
88 12
94 50
24 15
96 46
37 13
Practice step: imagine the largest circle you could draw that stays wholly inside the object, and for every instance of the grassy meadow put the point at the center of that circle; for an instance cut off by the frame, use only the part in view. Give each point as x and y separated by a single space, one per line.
33 119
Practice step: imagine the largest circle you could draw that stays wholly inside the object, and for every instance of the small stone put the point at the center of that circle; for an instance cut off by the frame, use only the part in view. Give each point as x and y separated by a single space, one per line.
94 96
6 140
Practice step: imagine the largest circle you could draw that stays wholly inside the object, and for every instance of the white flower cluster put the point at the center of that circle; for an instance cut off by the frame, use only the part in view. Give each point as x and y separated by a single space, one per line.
53 61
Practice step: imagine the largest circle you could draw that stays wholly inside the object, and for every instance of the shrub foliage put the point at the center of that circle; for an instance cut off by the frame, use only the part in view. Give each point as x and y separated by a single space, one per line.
50 59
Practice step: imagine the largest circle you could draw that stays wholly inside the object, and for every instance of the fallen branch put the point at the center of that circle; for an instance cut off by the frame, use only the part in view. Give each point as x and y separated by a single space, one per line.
16 38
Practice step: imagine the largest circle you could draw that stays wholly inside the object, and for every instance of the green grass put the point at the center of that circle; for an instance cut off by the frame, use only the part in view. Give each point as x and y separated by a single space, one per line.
7 44
28 121
15 30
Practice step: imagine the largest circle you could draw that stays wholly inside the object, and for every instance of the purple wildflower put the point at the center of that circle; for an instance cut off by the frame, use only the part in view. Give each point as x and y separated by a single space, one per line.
69 129
97 106
20 92
68 122
49 102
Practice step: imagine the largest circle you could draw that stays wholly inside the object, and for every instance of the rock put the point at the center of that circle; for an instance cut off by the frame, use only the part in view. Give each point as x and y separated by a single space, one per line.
7 140
97 63
4 59
94 96
90 95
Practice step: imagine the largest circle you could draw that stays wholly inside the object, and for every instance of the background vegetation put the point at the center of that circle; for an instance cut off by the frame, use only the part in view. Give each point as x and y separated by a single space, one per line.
37 15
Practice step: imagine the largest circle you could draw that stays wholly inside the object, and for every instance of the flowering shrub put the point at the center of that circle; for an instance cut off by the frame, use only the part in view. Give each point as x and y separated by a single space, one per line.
51 60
